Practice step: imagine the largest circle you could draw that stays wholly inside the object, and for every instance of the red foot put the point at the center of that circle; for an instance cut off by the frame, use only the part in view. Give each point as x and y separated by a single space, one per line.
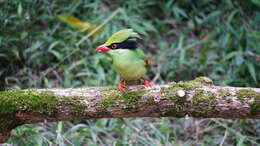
121 86
147 83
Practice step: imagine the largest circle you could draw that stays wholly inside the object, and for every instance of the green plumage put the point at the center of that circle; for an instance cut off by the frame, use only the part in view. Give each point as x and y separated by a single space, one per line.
120 36
128 63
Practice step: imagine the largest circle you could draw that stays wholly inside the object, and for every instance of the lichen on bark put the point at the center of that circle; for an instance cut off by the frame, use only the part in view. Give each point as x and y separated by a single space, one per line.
30 101
74 104
247 93
15 102
126 100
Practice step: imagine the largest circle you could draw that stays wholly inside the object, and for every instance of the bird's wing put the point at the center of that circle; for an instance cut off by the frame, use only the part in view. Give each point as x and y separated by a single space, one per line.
141 55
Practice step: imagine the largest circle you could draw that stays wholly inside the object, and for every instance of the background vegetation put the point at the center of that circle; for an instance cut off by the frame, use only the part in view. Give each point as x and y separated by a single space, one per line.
185 39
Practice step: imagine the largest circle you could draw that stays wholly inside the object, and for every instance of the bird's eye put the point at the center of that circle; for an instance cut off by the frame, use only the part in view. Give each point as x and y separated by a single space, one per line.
114 46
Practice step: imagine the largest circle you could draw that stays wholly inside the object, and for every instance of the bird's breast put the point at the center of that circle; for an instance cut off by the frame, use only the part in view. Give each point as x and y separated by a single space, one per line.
129 68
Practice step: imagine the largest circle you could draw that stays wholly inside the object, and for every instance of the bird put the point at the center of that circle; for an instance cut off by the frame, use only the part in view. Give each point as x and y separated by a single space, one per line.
128 61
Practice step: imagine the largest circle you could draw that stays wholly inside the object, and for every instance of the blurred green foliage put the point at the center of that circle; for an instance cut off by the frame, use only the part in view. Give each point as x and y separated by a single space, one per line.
185 39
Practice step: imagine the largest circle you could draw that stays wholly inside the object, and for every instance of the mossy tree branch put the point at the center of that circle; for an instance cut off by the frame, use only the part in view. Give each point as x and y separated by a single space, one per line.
196 98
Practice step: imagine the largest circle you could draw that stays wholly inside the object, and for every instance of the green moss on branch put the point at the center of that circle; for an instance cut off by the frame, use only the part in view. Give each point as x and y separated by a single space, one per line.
25 101
201 96
224 92
255 107
188 85
75 105
30 101
247 93
112 97
243 94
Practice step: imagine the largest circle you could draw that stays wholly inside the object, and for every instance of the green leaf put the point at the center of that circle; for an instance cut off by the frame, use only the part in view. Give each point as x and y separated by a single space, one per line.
256 2
138 28
239 59
53 44
77 63
20 9
231 16
229 56
251 70
211 16
58 55
179 12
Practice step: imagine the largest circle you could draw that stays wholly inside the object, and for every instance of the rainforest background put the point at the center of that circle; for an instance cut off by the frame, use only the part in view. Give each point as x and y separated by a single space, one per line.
184 39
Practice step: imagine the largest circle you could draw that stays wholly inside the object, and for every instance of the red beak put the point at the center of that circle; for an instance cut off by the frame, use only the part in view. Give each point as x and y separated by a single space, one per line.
102 48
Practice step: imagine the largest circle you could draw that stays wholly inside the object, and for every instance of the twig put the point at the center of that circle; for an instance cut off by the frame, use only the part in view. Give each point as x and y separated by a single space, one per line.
98 27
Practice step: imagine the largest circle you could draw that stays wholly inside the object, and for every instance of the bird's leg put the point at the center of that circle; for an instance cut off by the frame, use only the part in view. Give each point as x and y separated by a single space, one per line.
146 83
121 85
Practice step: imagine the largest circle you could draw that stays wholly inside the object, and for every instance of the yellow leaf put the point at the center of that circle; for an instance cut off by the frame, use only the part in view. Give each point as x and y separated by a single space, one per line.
78 24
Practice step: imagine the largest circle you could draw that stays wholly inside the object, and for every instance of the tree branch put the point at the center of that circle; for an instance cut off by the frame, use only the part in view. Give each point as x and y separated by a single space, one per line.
196 98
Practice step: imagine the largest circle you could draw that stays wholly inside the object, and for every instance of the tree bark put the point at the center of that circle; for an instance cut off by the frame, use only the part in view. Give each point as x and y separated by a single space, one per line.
197 98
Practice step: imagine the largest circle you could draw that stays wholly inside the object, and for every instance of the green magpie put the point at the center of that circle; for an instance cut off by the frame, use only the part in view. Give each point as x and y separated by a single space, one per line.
129 61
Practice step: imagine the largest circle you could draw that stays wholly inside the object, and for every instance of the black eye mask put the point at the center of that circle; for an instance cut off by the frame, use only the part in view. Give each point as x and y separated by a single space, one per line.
130 43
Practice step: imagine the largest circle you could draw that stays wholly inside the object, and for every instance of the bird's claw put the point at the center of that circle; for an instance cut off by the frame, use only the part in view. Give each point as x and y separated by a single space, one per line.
121 86
147 83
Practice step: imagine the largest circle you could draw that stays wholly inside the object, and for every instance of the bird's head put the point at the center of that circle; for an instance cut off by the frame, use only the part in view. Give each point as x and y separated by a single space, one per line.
123 39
